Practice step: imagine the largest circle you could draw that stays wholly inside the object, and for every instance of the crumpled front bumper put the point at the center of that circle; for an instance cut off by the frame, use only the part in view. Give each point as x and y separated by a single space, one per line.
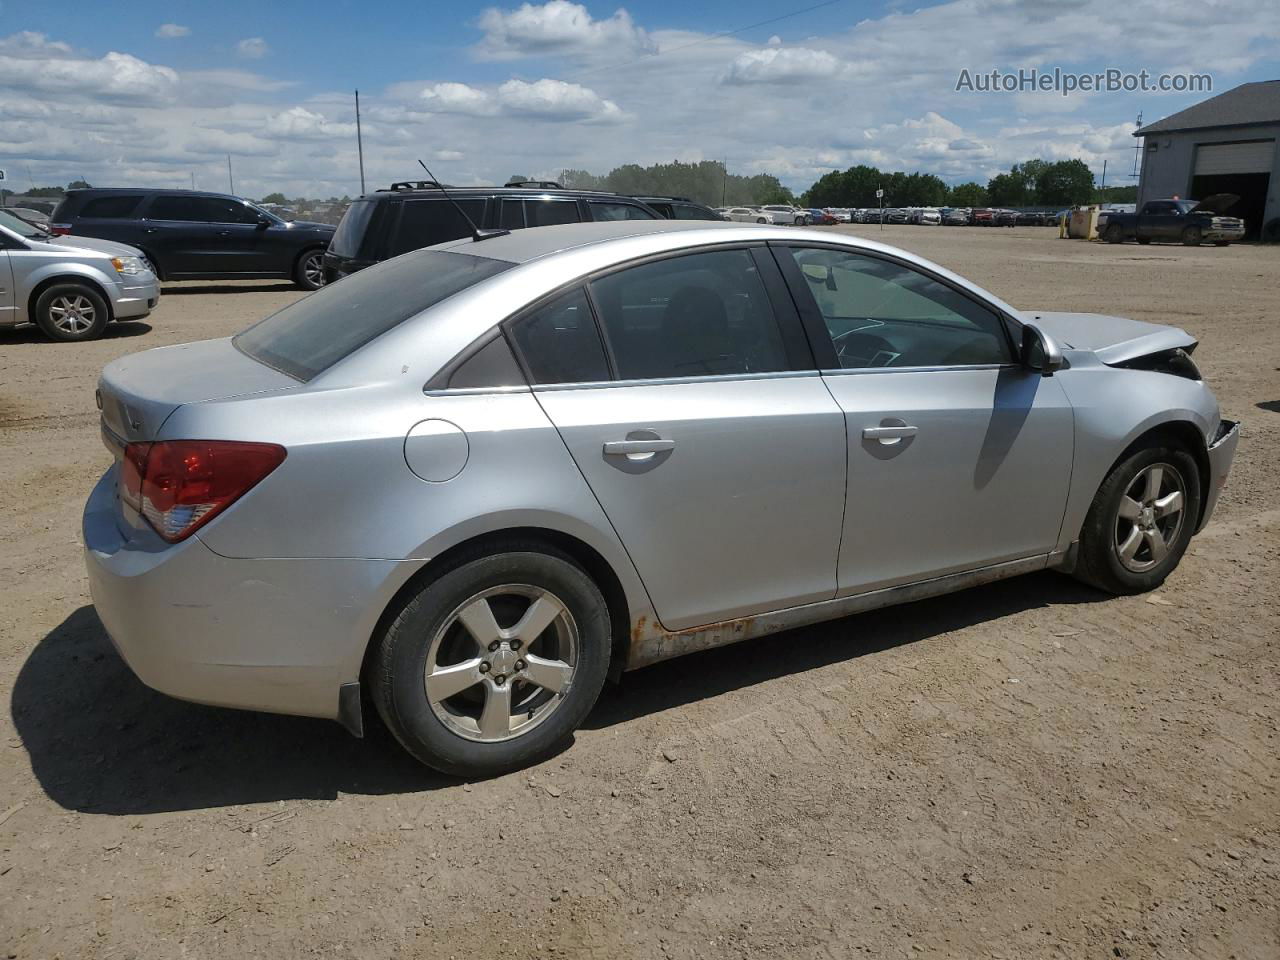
1221 452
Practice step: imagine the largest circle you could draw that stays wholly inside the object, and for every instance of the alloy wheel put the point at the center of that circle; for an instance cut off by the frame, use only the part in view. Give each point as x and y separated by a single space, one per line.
72 313
313 269
502 662
1150 517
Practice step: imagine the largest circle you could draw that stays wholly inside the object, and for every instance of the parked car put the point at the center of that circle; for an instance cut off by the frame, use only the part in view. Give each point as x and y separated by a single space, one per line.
815 217
37 218
897 215
345 519
955 217
928 217
785 213
680 208
1185 221
982 217
748 215
1005 218
417 213
842 214
70 287
192 235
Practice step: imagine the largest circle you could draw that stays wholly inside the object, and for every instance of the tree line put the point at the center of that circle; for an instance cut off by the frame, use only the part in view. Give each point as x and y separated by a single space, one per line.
706 182
1033 183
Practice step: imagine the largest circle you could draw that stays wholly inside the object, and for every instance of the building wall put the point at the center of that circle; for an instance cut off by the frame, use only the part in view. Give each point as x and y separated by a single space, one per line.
1167 170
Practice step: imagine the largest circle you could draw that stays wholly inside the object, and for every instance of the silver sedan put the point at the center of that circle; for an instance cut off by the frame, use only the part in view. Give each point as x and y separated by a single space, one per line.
477 480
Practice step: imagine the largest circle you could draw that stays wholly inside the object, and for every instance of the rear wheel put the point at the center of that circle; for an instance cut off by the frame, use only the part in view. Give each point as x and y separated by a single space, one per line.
1144 240
1191 237
493 665
761 220
1141 520
309 272
1114 234
71 312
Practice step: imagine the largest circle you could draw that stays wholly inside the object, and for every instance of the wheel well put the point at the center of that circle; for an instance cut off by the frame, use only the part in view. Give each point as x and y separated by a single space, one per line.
1181 433
45 284
487 544
304 251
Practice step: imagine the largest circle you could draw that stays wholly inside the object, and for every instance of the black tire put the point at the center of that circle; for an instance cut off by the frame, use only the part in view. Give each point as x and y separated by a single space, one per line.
1222 243
1191 237
399 664
1144 240
308 272
761 220
1114 234
1099 560
71 312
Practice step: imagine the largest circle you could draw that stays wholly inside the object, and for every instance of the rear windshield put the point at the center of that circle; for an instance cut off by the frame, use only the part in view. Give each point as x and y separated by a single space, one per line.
346 239
313 334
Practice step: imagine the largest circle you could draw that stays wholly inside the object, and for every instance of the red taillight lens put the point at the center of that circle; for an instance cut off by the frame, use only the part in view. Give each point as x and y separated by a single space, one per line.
180 485
60 229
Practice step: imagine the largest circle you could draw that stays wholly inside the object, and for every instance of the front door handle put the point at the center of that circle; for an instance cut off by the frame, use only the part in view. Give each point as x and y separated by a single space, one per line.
629 448
888 433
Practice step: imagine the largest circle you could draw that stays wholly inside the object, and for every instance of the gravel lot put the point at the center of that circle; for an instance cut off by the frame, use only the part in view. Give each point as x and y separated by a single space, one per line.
1027 769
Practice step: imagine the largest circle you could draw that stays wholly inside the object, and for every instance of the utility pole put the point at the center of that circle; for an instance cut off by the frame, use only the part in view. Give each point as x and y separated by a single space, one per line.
231 184
359 142
1104 178
193 179
1137 149
724 180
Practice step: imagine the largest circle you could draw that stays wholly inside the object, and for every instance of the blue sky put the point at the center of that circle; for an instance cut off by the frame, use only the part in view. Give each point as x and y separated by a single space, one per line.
160 92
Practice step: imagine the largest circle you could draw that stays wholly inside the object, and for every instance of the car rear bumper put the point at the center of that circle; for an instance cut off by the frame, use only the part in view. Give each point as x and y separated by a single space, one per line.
1221 452
280 636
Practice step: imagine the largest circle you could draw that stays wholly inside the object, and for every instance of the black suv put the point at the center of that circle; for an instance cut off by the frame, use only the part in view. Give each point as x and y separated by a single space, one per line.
192 235
680 208
418 213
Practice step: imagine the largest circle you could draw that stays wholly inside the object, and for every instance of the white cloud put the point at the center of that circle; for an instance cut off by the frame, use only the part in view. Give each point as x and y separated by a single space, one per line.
544 99
30 63
252 48
171 31
556 100
557 27
776 64
458 98
29 44
299 123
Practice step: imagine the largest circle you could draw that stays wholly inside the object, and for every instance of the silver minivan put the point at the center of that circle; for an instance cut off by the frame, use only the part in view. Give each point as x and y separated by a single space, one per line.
70 287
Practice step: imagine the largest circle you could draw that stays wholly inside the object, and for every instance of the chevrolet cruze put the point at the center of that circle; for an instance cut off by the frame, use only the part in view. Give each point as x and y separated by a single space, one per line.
477 480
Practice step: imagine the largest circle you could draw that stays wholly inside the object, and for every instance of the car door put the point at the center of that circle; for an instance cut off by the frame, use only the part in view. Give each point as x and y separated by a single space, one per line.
180 235
702 428
8 300
958 456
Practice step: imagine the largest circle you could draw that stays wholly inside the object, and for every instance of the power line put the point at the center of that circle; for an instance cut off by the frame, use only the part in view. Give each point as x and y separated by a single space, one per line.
708 39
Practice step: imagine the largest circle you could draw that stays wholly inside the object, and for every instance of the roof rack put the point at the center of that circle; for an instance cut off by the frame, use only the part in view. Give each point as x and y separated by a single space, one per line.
414 185
539 184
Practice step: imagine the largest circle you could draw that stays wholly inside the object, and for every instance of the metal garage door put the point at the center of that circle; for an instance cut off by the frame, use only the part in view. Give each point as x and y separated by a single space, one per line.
1219 158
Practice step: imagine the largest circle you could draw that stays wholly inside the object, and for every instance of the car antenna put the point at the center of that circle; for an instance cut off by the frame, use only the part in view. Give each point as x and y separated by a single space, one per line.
476 233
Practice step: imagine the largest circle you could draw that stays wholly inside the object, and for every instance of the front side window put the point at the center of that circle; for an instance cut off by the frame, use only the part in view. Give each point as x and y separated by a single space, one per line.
883 314
607 210
560 342
427 222
701 314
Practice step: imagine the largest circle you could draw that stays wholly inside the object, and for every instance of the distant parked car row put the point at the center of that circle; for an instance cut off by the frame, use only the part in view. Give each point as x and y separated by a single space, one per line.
947 216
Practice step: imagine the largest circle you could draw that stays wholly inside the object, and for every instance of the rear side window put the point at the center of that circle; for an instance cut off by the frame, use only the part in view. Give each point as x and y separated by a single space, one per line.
608 210
351 229
110 207
560 342
687 211
702 314
517 213
316 332
201 210
427 222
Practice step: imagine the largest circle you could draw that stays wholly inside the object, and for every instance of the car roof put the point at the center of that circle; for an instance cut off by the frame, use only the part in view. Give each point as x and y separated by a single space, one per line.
455 192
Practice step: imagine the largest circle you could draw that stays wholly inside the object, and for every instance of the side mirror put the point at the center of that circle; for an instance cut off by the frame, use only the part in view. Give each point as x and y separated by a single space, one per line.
1040 351
263 223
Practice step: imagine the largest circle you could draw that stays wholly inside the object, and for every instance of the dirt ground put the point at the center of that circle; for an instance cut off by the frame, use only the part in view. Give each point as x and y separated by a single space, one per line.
1024 770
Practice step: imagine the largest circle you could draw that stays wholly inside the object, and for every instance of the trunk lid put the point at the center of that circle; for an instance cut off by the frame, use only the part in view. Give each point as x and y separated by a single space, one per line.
138 393
1115 340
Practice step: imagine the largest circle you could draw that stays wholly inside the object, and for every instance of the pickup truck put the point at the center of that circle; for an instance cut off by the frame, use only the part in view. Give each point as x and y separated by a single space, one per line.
1187 221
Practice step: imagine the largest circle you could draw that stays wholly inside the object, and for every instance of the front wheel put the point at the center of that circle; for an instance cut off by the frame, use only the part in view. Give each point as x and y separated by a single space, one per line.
1114 234
71 312
309 273
1191 237
761 220
493 665
1141 521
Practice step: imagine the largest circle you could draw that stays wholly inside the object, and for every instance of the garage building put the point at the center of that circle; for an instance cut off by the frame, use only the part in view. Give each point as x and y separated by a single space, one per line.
1227 144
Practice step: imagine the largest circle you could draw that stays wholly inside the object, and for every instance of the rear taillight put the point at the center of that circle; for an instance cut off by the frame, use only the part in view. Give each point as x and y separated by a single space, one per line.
60 229
180 485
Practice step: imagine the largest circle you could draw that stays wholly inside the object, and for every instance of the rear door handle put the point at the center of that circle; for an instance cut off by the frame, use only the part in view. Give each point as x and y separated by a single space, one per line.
627 448
888 433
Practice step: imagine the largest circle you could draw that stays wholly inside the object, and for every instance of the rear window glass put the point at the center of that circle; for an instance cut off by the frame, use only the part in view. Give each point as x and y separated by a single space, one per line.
102 208
351 229
427 222
313 334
